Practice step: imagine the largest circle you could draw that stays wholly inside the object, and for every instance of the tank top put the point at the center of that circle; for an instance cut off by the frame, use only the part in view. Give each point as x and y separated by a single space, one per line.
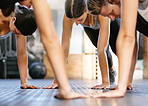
143 9
95 26
6 35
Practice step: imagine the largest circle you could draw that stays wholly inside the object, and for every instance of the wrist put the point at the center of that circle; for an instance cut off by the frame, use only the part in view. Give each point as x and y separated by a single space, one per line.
122 89
64 91
24 83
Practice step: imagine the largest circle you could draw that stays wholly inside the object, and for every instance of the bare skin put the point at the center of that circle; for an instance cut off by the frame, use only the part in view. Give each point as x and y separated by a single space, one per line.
53 49
54 86
27 3
102 86
126 45
102 45
7 24
129 87
23 62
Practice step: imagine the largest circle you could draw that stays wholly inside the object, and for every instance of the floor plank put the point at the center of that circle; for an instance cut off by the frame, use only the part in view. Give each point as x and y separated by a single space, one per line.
12 95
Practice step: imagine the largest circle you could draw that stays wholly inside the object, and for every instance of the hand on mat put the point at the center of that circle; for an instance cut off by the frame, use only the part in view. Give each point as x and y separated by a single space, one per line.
27 86
54 86
129 87
110 94
102 86
71 95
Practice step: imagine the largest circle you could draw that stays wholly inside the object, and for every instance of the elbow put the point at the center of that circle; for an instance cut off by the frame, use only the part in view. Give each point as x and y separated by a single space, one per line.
128 39
101 51
49 39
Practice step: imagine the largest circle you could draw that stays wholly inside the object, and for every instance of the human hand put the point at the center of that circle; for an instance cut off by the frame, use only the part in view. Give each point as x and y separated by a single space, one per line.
53 86
70 95
102 86
129 87
111 94
27 86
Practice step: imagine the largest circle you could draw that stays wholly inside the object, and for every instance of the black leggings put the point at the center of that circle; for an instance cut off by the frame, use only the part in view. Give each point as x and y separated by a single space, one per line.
142 25
94 34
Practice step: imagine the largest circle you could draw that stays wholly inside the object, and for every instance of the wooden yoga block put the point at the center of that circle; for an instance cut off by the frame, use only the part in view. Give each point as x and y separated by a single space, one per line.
79 66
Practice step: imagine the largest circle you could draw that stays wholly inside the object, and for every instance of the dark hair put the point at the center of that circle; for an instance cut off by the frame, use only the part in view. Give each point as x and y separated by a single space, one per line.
94 6
75 8
4 4
8 11
25 20
117 2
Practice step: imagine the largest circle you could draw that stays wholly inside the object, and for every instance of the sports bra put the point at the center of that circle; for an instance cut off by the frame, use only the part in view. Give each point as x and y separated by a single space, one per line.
6 35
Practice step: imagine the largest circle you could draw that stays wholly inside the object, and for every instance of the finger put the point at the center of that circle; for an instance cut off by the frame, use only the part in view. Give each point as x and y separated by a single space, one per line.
84 96
29 87
104 87
23 87
113 88
101 87
76 96
94 87
57 96
54 87
35 87
129 88
46 87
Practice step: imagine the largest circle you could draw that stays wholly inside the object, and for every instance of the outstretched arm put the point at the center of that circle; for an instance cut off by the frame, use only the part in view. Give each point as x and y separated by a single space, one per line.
53 49
126 42
23 62
125 46
66 35
102 47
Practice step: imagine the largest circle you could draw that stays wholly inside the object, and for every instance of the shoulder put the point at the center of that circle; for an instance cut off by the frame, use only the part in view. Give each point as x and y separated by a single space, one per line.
67 20
102 18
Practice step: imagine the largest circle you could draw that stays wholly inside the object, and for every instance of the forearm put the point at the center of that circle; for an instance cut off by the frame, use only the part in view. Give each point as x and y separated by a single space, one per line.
125 48
23 67
56 57
66 53
51 43
134 60
103 66
126 41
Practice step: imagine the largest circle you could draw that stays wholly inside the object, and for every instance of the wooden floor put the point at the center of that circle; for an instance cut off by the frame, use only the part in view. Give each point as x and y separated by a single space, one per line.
12 95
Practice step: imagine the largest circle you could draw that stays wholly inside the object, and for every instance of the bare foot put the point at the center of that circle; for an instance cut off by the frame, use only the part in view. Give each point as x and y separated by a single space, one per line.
110 94
102 86
54 86
27 86
71 95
